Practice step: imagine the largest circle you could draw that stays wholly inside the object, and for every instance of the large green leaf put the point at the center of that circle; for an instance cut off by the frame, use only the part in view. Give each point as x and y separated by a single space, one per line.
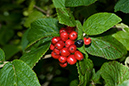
2 55
106 47
10 50
114 73
32 17
123 37
85 68
100 22
18 73
24 40
59 3
43 28
65 17
122 5
32 57
5 34
75 3
125 83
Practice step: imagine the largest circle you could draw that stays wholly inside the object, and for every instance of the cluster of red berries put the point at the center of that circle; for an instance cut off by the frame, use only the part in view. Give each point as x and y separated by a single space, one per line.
64 48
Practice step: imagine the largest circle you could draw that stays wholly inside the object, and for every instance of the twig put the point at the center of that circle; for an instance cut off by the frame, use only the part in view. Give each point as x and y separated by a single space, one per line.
38 8
3 64
47 56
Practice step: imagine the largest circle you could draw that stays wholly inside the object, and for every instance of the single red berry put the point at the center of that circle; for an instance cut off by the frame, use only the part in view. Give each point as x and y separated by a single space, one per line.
62 42
62 30
65 52
78 55
52 47
68 42
54 55
72 48
64 36
87 41
69 29
63 64
56 51
62 59
73 35
71 59
55 40
59 45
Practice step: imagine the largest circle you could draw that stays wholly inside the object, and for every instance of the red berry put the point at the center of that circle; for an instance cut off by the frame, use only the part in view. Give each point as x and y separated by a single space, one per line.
56 51
59 45
55 40
65 52
69 29
87 41
71 59
62 59
52 47
73 35
62 30
63 64
64 36
68 42
72 48
78 55
54 55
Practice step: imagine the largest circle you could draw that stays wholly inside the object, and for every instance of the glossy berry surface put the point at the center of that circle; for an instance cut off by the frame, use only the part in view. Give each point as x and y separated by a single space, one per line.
52 47
54 55
73 35
65 52
59 45
78 55
69 42
79 43
71 59
64 36
72 48
56 51
62 59
87 41
63 64
55 40
62 30
69 29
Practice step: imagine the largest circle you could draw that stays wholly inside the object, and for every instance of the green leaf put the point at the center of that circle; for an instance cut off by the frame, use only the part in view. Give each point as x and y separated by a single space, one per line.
18 73
2 55
10 50
41 28
85 68
32 17
74 83
106 47
65 17
75 3
96 77
59 3
125 83
123 37
32 57
122 5
100 22
24 40
114 73
5 34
